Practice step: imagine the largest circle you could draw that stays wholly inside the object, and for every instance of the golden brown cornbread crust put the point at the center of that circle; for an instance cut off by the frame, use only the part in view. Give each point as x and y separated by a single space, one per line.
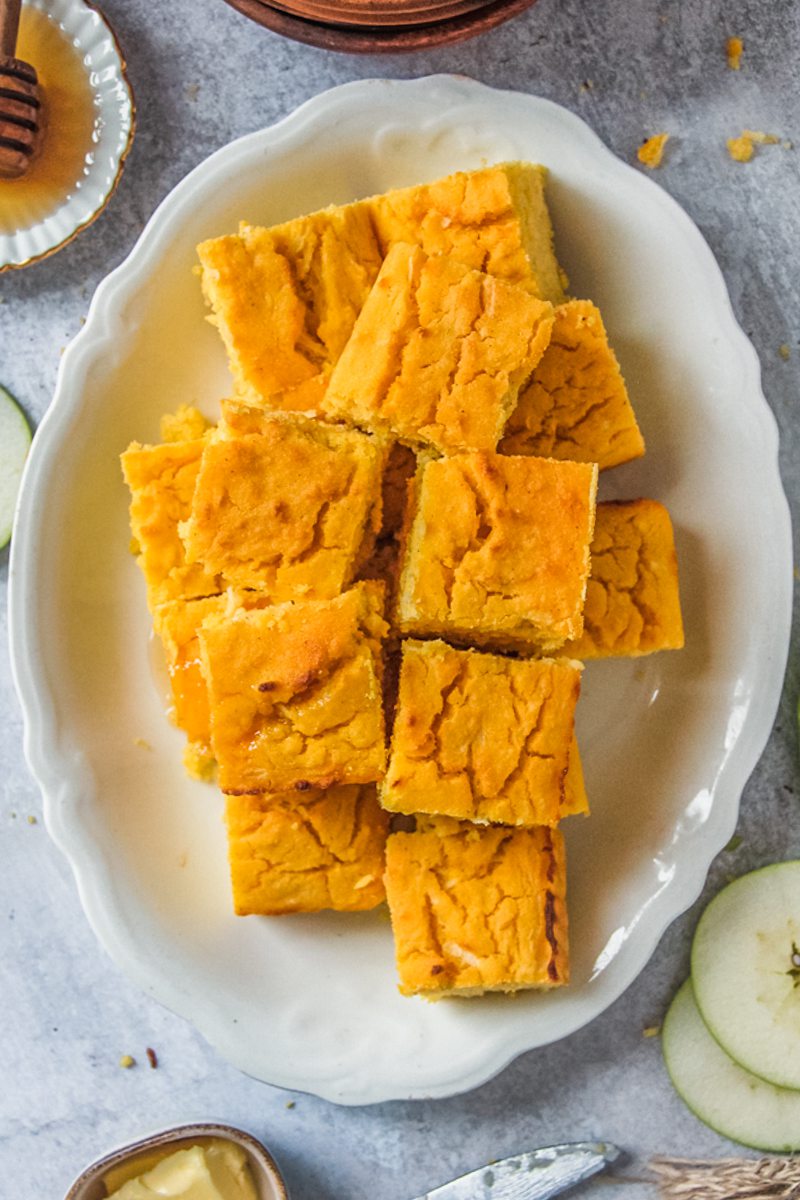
481 737
498 551
438 353
632 600
306 851
575 405
493 220
286 510
285 299
162 481
295 693
477 909
177 624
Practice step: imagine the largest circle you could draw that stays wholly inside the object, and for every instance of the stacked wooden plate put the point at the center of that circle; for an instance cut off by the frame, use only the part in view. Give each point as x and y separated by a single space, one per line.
374 26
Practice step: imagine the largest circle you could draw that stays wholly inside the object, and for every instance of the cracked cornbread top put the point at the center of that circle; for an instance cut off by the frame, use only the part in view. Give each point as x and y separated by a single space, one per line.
498 550
286 510
438 353
476 910
295 693
285 299
575 404
305 851
481 737
632 601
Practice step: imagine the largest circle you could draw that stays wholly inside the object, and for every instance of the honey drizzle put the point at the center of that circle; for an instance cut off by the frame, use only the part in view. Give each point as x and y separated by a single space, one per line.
70 120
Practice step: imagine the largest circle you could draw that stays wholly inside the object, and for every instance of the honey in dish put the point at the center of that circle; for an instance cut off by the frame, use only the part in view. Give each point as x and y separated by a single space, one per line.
70 119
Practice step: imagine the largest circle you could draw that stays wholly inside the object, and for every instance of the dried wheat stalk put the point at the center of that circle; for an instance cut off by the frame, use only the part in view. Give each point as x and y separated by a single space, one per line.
728 1178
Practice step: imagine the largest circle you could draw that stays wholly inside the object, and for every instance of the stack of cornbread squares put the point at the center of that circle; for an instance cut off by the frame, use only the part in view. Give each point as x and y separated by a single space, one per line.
377 578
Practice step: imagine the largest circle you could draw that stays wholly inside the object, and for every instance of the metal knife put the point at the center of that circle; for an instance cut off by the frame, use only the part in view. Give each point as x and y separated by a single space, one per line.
537 1175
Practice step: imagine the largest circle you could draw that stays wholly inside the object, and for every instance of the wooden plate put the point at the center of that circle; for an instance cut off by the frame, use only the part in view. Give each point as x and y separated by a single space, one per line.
371 38
383 13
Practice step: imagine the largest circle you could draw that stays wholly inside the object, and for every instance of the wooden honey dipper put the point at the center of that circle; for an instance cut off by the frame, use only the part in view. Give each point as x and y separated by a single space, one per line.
20 100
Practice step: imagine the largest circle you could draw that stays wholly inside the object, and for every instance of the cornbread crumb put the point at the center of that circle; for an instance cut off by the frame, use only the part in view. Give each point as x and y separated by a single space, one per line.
742 149
575 405
477 909
307 851
438 353
295 693
651 1031
651 151
734 48
33 820
632 600
185 424
127 1061
785 351
498 551
481 737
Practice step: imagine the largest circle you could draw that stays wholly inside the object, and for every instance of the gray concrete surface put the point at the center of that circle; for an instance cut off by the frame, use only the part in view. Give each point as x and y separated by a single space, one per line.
203 75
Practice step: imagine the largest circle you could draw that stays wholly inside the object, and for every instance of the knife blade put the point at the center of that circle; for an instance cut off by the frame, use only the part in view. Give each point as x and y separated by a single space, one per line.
535 1175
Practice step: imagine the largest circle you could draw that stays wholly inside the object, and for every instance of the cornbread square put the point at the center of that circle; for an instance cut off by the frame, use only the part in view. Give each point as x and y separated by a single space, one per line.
494 220
632 602
284 301
477 910
177 623
287 510
306 851
295 693
575 404
498 551
438 353
162 481
481 737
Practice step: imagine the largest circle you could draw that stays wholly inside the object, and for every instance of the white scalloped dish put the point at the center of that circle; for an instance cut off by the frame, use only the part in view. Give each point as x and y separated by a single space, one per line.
89 119
668 742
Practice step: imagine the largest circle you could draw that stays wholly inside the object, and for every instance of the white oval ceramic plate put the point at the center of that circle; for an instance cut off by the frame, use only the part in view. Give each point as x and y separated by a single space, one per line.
113 126
310 1002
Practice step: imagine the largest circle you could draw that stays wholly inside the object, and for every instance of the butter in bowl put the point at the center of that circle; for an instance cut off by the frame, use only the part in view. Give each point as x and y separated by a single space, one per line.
202 1161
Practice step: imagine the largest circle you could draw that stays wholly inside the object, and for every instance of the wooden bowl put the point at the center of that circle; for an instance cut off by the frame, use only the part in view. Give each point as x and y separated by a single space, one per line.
379 26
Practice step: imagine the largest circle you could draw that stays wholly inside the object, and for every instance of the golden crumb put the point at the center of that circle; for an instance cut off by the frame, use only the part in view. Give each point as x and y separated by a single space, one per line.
651 151
734 48
127 1061
32 820
651 1031
291 1103
742 149
784 350
142 743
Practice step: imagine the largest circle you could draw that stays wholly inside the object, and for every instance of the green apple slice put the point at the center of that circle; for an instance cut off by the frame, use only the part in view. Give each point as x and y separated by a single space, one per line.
746 972
15 440
722 1094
